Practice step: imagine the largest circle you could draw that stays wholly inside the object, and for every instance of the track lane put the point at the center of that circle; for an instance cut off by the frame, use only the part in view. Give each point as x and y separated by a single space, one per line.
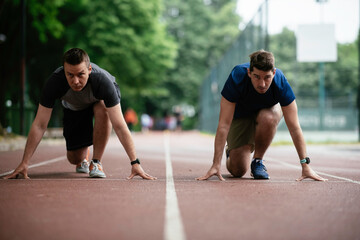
280 208
59 203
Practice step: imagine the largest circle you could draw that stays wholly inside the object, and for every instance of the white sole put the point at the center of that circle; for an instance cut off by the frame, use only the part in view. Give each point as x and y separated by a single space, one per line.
97 175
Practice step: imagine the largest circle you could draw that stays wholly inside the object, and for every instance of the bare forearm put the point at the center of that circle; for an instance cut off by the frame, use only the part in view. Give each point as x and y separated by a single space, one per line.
299 142
292 122
220 140
35 135
126 140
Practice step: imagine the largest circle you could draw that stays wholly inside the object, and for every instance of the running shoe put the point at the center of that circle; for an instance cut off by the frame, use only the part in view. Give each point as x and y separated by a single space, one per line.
96 170
258 169
83 167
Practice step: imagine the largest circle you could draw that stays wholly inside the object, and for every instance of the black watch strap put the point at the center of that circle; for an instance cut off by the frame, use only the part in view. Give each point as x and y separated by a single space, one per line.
136 161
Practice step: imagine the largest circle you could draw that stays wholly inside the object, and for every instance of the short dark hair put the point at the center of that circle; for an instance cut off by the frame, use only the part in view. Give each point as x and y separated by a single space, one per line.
75 56
262 60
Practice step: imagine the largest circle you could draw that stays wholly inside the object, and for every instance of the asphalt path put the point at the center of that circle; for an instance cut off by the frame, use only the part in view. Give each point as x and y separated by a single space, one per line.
58 203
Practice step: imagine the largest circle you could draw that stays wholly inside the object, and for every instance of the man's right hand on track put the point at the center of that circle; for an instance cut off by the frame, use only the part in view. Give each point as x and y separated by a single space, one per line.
213 171
20 172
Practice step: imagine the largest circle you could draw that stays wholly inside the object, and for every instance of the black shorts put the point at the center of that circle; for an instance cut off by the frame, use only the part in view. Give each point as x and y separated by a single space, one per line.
78 128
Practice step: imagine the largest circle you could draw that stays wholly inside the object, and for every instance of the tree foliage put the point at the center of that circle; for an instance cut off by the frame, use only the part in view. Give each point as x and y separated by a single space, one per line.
341 77
127 38
203 31
159 50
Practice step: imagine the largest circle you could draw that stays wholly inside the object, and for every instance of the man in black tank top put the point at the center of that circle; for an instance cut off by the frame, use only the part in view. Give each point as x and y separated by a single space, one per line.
86 92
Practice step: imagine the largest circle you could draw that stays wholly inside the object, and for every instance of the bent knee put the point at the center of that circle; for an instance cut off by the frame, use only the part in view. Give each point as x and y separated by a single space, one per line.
102 114
100 110
239 161
269 121
237 172
74 161
77 156
269 116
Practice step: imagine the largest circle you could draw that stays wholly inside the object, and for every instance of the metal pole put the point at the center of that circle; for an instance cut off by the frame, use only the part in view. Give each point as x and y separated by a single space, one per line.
321 94
321 77
22 67
267 25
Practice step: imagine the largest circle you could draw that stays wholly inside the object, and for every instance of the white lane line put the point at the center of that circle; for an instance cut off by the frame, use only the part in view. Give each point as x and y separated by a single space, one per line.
174 229
321 173
38 164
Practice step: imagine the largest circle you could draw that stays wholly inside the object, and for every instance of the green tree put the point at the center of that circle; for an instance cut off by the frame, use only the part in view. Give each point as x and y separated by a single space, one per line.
340 76
127 38
41 26
203 30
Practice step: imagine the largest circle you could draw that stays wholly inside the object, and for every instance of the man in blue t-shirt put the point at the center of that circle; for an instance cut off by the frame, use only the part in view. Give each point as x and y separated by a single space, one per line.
86 92
255 97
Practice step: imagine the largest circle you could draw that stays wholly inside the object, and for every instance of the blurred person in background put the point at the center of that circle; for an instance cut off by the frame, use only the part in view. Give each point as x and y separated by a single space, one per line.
87 92
131 118
146 122
179 118
255 97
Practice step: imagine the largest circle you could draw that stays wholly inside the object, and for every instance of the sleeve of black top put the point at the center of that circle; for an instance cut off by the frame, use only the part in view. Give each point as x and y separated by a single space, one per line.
54 88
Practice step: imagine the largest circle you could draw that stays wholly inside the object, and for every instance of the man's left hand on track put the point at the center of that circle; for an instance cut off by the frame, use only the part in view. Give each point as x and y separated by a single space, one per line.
137 170
307 172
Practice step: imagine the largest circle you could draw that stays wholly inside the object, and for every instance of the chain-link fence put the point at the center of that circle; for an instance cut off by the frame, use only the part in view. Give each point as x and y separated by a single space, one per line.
252 38
339 112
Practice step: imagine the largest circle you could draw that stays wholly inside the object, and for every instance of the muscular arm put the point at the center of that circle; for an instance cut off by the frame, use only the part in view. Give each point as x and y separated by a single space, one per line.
37 131
292 122
122 131
124 135
226 115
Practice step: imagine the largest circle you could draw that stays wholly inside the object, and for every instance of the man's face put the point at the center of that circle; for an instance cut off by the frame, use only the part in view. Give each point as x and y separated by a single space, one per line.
261 80
77 75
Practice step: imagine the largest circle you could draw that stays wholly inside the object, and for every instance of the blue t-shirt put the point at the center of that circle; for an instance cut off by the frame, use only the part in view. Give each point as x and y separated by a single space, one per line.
239 89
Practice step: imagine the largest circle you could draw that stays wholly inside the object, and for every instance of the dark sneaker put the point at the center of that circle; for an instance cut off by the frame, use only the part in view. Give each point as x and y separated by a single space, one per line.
258 169
227 152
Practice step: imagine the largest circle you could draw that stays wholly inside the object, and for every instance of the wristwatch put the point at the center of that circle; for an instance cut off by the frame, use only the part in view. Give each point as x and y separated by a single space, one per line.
305 160
136 161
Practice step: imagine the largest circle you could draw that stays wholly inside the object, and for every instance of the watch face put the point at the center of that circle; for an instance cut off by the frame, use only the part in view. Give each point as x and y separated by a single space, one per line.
305 160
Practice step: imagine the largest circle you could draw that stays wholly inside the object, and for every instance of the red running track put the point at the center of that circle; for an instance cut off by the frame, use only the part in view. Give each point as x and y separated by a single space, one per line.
58 203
